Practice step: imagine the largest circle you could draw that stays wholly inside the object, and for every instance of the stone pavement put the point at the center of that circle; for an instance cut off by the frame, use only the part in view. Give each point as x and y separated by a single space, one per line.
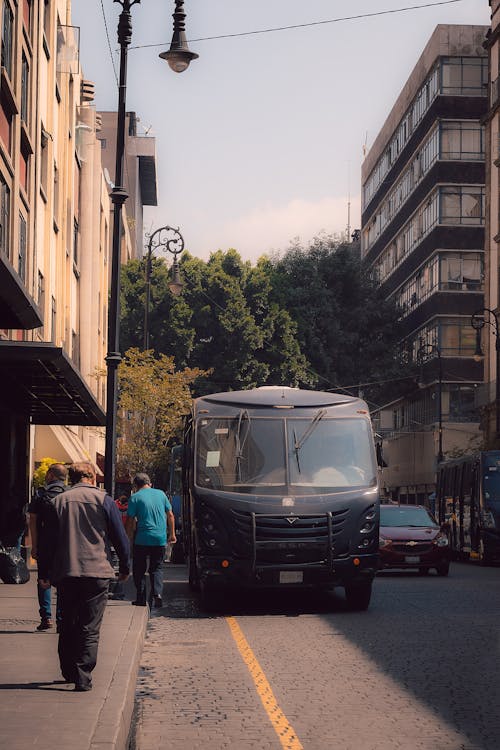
37 711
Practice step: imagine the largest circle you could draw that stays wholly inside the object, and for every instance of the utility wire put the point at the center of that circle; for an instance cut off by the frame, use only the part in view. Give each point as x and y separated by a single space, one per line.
305 25
109 42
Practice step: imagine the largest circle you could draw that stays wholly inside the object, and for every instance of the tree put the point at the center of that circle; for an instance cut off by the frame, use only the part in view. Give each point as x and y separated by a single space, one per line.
153 398
348 330
224 322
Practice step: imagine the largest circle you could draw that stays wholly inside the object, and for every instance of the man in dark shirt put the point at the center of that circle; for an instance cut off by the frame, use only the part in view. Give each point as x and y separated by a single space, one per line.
39 509
75 555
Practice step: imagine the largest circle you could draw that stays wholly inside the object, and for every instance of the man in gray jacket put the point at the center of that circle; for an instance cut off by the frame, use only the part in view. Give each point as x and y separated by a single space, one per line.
74 554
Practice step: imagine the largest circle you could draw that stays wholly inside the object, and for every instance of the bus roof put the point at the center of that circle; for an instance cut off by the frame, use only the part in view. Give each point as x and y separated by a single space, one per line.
279 397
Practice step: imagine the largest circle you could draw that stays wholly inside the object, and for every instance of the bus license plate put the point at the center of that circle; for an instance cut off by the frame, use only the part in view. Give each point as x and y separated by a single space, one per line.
412 559
291 576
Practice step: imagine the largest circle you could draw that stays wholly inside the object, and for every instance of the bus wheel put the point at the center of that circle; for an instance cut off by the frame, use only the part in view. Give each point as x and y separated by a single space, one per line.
358 596
211 597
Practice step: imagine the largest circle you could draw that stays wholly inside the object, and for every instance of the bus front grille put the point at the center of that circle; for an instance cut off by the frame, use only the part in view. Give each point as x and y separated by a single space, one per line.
288 539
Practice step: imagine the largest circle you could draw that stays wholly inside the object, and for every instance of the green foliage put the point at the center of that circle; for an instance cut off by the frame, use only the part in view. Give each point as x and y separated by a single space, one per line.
41 470
348 330
154 397
312 317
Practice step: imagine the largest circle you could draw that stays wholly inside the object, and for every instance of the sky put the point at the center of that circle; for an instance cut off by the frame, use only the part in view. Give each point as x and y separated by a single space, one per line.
261 140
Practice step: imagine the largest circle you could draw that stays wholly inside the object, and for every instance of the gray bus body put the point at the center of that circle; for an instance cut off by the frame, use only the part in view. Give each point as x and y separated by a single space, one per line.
280 490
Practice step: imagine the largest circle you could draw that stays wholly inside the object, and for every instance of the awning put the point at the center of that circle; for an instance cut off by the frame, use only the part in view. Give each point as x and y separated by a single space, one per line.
62 444
40 381
17 308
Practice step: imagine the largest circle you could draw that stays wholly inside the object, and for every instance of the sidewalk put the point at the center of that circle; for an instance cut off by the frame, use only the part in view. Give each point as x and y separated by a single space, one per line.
37 711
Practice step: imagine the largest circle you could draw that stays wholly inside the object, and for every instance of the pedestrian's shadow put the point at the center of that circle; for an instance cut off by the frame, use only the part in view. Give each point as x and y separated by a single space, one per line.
54 685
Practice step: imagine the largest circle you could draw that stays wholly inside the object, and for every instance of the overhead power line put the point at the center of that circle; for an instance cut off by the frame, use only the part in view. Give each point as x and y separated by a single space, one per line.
305 25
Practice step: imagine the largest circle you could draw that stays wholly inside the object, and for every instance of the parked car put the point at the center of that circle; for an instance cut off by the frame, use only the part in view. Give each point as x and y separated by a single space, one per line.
410 537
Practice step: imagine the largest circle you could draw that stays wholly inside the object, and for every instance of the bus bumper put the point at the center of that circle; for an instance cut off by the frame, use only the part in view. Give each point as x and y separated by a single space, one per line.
228 572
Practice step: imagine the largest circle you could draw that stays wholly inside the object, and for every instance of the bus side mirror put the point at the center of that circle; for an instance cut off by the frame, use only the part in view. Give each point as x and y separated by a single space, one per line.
382 464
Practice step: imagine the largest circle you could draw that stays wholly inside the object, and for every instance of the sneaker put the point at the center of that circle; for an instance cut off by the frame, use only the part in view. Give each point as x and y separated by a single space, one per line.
45 624
155 602
139 603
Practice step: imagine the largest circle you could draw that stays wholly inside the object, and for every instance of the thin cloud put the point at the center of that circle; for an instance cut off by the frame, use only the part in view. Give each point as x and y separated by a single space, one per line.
269 228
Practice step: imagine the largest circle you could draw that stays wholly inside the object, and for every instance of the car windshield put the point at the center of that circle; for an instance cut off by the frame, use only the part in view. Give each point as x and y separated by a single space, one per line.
266 455
399 515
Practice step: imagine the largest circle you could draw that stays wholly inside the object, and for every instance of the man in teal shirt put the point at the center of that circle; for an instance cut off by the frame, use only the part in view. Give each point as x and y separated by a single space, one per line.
149 515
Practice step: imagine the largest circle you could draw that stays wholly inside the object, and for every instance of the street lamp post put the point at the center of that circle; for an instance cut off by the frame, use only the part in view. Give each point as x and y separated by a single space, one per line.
165 239
425 349
478 321
178 57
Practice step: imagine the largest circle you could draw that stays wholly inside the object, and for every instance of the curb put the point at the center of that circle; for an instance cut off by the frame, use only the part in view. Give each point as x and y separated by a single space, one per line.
115 718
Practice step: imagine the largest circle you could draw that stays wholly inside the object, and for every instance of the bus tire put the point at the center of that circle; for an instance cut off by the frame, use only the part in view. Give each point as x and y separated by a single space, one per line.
358 596
211 597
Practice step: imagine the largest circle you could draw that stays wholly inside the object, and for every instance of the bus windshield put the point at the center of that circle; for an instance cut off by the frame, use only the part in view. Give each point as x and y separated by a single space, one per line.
263 455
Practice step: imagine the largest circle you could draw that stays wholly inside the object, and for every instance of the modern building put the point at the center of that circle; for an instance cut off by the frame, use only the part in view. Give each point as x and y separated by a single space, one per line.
488 395
423 214
139 173
54 249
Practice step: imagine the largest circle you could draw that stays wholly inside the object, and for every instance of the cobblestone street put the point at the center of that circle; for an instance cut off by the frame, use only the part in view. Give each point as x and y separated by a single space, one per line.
415 671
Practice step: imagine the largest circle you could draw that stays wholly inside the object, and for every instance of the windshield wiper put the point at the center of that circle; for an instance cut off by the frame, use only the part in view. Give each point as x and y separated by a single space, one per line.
307 434
296 447
240 444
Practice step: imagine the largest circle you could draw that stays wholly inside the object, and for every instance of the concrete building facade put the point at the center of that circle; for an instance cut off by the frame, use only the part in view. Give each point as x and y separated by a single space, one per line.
423 215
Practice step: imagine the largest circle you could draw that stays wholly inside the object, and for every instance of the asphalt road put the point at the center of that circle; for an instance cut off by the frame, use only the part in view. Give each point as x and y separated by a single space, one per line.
418 670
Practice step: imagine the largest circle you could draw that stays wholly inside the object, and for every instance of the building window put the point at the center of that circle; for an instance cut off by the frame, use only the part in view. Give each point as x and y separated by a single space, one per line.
4 217
22 247
25 72
27 15
7 38
463 271
75 348
462 140
462 404
464 76
40 296
76 258
46 21
462 205
55 206
53 316
5 121
44 161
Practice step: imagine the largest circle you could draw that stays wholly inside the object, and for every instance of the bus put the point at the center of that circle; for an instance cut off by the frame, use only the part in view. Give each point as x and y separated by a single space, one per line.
468 504
175 552
280 489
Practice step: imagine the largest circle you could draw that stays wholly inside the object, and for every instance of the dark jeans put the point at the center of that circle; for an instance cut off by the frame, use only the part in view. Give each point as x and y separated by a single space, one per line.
82 602
142 555
45 604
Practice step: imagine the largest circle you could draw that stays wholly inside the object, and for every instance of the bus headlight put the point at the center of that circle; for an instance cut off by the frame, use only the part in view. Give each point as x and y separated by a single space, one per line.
211 530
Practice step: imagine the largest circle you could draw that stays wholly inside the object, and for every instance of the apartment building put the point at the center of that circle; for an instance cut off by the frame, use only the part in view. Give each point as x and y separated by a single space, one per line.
423 215
139 173
488 335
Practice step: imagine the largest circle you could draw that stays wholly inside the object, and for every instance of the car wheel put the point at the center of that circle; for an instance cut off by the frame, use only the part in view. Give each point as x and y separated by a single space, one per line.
443 569
423 571
358 596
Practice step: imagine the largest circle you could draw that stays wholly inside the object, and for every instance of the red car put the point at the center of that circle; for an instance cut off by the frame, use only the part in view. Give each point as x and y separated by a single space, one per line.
410 537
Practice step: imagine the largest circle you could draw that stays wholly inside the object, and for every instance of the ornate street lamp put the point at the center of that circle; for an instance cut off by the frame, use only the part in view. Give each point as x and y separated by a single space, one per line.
478 321
178 57
164 239
423 353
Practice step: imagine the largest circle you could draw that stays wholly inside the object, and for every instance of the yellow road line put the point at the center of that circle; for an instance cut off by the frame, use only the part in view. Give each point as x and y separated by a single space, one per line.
282 726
